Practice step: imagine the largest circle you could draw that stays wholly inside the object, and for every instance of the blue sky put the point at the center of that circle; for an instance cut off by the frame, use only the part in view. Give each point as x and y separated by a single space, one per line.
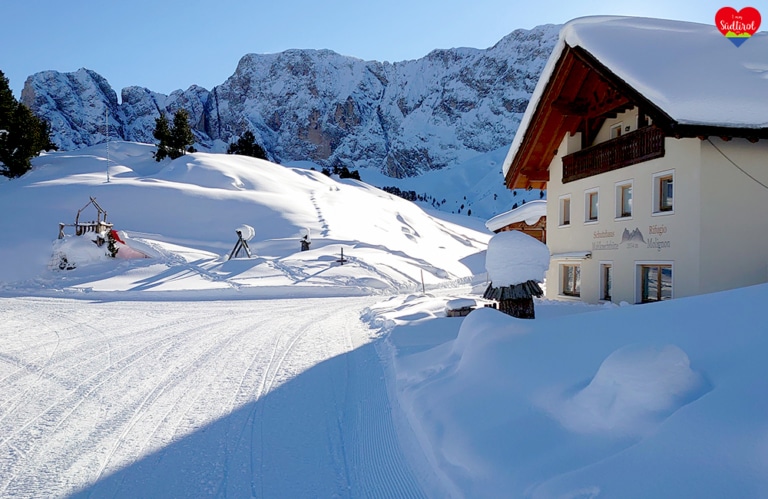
169 45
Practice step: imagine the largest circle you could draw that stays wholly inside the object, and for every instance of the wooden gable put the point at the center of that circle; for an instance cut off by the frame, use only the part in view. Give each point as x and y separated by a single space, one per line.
580 95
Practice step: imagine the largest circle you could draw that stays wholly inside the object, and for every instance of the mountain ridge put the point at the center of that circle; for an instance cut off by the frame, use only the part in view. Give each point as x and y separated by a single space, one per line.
402 118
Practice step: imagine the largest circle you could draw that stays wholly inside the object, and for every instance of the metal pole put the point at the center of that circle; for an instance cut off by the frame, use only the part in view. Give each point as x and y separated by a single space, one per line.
106 123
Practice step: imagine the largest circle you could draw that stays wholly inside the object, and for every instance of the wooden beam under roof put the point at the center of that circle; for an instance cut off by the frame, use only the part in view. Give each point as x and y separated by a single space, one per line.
535 175
578 95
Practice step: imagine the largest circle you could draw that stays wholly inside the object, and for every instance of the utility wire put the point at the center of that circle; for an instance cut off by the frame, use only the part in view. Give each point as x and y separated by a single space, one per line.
734 164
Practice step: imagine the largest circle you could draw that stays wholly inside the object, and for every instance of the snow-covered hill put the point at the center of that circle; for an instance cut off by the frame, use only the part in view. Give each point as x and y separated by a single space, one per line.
184 214
401 118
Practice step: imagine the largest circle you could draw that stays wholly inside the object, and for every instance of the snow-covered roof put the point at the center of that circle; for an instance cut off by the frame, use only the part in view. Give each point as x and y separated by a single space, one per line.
529 213
688 70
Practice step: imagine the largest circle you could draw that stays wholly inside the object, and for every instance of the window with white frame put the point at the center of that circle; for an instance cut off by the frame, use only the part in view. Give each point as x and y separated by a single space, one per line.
664 192
591 205
606 281
624 199
655 282
616 130
565 210
570 279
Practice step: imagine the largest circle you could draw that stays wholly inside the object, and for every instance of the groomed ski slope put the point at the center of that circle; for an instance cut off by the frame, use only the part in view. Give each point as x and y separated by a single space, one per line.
253 398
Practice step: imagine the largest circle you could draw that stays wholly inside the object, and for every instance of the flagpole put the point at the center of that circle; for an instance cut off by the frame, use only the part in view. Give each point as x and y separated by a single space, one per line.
106 123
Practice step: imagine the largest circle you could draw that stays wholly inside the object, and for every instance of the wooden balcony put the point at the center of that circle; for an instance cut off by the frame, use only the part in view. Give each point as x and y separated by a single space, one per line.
635 147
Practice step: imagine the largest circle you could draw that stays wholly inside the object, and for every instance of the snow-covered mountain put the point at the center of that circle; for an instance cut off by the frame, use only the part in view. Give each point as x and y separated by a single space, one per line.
401 118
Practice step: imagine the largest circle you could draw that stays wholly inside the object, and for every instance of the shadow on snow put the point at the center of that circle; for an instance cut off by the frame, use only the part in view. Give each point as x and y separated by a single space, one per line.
328 432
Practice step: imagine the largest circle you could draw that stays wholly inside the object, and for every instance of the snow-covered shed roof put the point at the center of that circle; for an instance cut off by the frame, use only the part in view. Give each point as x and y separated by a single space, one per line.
688 74
530 213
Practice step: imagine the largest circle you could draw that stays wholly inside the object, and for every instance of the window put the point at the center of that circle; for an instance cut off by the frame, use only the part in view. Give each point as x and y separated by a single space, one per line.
663 192
565 210
666 189
591 204
571 279
606 281
616 130
655 282
624 199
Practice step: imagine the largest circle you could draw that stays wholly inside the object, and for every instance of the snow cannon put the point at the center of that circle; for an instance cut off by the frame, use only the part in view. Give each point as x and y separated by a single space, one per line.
305 239
244 234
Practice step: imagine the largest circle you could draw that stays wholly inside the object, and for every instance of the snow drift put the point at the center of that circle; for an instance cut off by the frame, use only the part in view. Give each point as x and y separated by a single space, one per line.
662 400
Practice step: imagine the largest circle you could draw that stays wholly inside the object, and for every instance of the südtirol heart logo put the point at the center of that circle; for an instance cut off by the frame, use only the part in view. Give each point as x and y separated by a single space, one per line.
737 26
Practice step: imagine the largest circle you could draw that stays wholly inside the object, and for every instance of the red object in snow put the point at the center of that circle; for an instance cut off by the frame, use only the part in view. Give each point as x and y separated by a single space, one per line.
116 237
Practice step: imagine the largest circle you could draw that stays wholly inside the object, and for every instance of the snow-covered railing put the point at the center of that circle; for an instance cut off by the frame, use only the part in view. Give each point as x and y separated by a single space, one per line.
97 226
81 228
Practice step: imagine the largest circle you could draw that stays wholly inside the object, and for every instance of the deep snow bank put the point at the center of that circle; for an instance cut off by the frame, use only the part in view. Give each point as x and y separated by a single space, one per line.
661 400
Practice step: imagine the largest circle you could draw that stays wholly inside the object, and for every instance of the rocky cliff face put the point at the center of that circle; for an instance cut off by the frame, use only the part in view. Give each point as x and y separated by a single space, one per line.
403 118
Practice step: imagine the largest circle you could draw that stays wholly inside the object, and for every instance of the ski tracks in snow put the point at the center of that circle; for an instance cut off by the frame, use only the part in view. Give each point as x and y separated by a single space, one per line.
261 398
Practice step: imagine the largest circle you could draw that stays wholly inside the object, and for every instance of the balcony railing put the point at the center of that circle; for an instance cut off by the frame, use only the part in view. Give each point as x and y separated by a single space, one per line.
635 147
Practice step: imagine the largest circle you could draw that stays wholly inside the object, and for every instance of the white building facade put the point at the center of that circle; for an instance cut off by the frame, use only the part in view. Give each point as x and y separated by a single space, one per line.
683 224
656 176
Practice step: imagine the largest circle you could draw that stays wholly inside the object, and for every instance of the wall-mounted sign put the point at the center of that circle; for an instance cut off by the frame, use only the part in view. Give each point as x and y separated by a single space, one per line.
632 239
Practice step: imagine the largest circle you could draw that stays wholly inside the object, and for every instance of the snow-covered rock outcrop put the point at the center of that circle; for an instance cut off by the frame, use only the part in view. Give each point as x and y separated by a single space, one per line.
404 118
76 105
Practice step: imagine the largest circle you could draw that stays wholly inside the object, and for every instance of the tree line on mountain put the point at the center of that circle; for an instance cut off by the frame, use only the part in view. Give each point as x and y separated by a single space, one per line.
341 171
408 195
424 198
414 196
23 135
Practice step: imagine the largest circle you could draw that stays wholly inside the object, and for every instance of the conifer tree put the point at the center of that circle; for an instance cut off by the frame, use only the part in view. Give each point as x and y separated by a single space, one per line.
182 137
175 141
246 145
22 134
162 133
7 102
